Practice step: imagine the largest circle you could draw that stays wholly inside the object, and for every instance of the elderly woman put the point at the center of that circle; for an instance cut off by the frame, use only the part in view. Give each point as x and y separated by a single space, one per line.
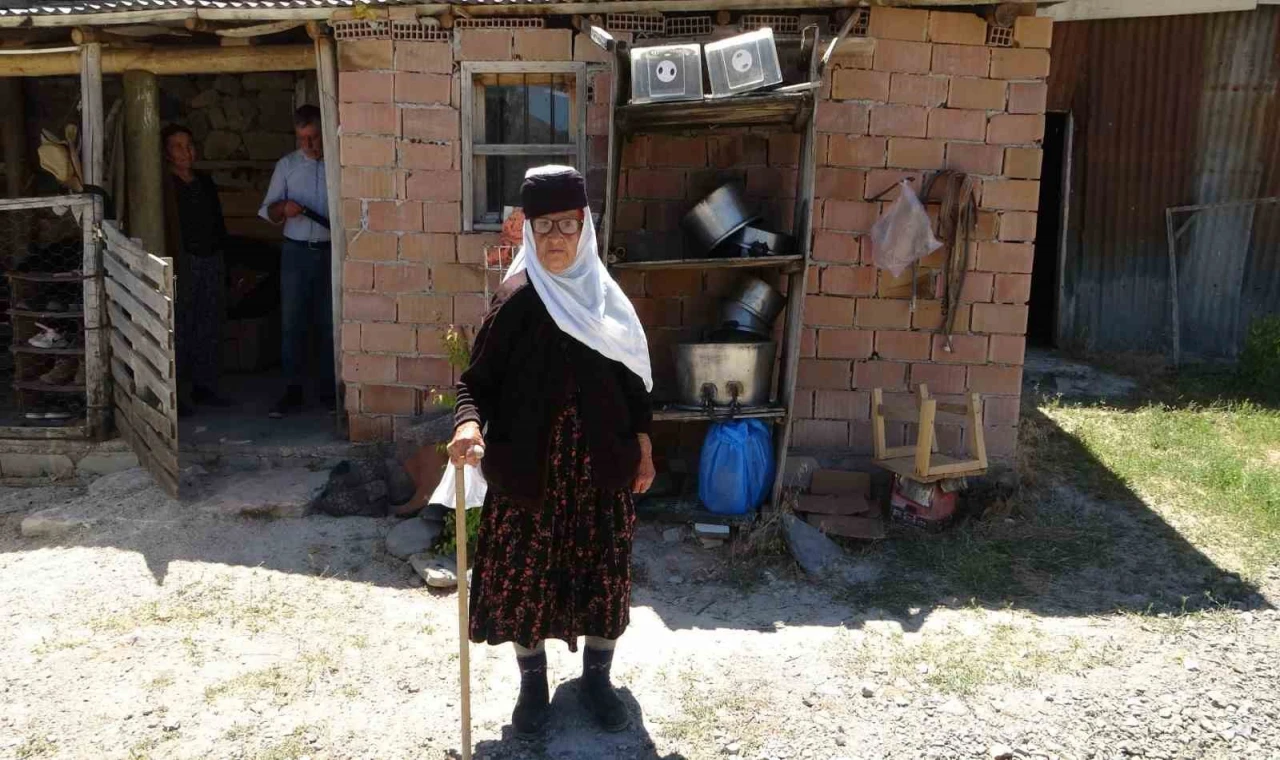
559 382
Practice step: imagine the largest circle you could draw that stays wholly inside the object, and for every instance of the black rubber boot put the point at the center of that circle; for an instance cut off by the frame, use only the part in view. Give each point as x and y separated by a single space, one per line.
532 708
597 692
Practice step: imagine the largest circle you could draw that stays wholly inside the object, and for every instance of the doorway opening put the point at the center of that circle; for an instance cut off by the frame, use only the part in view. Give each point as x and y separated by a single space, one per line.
1047 269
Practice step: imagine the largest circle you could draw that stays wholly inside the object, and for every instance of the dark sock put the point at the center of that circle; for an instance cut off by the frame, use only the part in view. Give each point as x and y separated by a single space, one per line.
533 706
597 692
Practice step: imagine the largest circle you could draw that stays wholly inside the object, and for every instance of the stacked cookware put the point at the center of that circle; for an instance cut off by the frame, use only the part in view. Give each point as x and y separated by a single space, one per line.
733 369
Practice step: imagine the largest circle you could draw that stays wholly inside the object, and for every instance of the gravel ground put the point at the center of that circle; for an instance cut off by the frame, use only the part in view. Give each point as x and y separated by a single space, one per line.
155 631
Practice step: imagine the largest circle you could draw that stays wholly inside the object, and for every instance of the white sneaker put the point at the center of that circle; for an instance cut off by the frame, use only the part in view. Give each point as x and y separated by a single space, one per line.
48 338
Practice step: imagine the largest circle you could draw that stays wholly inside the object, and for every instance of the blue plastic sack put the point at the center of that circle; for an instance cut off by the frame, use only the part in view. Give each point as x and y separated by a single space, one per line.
736 471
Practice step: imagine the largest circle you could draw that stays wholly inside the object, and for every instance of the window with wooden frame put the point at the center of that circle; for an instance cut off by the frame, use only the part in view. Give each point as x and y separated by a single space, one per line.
514 116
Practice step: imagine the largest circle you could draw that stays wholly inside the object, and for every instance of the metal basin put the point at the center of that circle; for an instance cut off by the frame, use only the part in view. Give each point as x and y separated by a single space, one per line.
718 216
759 298
710 375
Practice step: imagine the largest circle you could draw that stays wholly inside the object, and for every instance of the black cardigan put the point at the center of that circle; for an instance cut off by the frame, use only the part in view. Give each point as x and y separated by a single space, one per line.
524 370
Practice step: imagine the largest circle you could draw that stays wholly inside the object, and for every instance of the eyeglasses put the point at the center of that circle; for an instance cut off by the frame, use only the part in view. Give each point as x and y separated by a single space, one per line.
543 226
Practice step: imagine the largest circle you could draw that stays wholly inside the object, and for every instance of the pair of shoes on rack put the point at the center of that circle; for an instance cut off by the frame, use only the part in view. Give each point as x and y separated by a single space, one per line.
68 371
48 337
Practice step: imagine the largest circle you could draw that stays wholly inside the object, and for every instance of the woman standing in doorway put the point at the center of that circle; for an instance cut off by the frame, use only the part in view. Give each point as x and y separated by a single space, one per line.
195 238
559 381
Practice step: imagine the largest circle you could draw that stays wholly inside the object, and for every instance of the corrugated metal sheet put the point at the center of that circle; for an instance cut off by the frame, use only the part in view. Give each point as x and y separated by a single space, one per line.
1169 112
77 7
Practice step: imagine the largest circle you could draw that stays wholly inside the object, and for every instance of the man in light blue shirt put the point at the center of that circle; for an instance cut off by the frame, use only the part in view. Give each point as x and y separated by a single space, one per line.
298 198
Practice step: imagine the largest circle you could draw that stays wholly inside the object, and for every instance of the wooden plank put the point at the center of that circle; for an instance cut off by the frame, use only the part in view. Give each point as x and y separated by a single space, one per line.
775 109
753 262
258 30
326 62
69 432
144 376
148 457
924 443
697 415
905 466
95 346
977 435
154 418
24 204
165 447
145 178
164 62
13 136
154 268
160 359
152 323
159 304
92 115
877 424
954 413
1092 10
956 469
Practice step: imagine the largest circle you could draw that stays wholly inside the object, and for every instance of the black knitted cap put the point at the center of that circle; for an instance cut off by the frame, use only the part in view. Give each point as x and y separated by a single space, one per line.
548 189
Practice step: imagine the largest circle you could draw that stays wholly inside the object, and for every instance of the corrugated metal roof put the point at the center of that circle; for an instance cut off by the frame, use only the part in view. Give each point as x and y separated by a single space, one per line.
77 7
1170 112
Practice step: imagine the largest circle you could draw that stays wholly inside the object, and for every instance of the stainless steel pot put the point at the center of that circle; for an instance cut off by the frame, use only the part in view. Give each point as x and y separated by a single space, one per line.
710 375
742 318
759 298
754 241
718 216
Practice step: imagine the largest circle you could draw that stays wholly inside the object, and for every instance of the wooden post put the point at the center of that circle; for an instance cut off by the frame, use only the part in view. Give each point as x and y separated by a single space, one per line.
327 79
13 132
146 172
92 116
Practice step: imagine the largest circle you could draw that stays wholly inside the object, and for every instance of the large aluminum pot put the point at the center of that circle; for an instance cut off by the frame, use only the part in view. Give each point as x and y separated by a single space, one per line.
724 374
718 216
758 298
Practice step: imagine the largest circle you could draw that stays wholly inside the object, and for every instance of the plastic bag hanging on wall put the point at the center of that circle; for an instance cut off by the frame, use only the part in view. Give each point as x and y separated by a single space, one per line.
904 234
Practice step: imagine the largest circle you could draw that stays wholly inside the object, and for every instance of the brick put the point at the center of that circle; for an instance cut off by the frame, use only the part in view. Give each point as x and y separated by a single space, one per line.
842 405
469 309
1008 349
658 312
434 186
423 88
389 216
850 216
363 428
839 482
669 150
399 278
849 281
977 94
808 343
835 247
843 118
898 24
485 44
635 152
358 150
824 373
674 282
1006 129
886 180
1028 97
889 376
431 340
784 149
845 344
1005 257
471 247
656 183
369 118
884 313
999 318
940 378
372 246
906 153
424 57
899 121
829 310
765 181
961 60
820 433
1023 163
977 287
837 183
1005 381
918 90
368 368
956 124
998 411
928 316
1002 443
433 248
852 84
598 119
365 55
1015 63
909 57
1011 195
368 183
357 275
957 28
352 214
902 345
388 338
975 158
1012 288
1018 226
844 150
388 399
543 45
630 215
1033 32
443 217
587 51
366 87
988 222
457 278
423 309
965 349
350 337
430 123
425 155
424 371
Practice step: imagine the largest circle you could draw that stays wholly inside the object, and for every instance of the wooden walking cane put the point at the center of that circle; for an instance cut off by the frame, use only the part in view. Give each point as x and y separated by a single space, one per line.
464 649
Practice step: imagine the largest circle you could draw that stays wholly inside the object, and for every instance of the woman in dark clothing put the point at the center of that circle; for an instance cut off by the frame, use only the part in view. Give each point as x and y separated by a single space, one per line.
195 237
560 381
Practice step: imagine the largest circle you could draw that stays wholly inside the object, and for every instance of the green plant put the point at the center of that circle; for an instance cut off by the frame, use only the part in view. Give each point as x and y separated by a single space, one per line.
448 543
1259 368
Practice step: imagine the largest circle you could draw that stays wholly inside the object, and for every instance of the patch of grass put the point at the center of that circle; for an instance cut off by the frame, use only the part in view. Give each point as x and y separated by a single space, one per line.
201 601
161 682
284 683
291 747
35 746
706 711
49 646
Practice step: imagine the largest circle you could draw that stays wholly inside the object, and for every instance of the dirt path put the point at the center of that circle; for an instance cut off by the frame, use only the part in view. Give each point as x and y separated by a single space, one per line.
159 633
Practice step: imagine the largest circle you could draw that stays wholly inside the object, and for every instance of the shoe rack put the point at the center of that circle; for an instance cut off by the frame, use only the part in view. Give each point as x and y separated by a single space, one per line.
47 316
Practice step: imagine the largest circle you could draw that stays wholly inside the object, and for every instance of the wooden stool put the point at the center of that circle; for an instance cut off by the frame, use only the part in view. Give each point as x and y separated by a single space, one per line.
921 462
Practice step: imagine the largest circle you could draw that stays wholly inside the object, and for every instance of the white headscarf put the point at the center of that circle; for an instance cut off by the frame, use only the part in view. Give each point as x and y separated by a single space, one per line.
586 303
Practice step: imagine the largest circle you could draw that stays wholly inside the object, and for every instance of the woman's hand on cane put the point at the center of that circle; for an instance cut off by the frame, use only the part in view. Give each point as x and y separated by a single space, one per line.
467 445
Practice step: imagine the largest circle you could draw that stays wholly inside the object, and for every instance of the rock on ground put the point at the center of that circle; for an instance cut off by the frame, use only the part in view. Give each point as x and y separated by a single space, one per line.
412 536
286 492
816 553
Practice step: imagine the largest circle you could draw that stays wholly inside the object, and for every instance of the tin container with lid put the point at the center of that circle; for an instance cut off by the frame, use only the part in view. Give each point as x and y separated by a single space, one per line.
666 72
743 63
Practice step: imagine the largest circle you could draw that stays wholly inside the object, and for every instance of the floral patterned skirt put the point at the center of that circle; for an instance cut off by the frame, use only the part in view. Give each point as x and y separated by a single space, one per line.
558 570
